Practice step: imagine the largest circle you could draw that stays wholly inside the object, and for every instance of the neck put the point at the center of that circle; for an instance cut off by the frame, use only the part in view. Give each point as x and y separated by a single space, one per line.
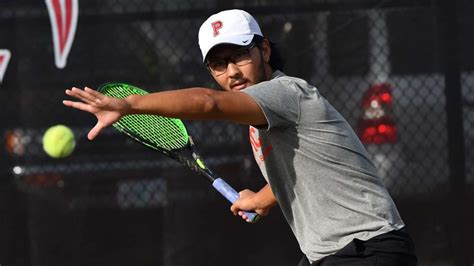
268 71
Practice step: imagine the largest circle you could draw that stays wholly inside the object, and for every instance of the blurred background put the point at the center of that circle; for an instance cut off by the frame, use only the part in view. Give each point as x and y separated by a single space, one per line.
401 72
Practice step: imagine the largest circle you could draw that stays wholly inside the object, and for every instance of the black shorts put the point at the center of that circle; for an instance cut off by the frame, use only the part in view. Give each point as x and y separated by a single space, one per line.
394 248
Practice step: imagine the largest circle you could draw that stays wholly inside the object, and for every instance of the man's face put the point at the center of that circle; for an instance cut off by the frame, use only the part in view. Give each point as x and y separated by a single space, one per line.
235 67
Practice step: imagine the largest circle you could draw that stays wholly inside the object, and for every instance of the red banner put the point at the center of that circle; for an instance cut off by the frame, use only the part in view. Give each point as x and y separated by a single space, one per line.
63 15
4 59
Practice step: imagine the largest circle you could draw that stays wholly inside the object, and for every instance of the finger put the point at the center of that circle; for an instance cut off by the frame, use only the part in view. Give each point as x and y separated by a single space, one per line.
94 92
247 219
98 97
87 94
75 92
242 215
81 95
79 105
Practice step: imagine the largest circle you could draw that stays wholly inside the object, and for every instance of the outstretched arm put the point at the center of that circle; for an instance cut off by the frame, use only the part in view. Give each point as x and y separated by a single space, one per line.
192 103
261 202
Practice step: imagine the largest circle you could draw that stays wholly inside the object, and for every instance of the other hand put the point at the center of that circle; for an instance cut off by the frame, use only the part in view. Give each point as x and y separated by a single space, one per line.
249 201
108 110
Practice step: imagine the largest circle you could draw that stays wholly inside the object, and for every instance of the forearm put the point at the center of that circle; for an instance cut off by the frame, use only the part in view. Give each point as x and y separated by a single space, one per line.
265 198
192 103
199 104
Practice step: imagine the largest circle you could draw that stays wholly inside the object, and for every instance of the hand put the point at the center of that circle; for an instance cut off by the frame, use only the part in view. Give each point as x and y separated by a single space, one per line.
249 201
108 110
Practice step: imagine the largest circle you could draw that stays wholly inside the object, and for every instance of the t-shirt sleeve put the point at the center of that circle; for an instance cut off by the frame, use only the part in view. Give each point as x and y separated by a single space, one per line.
279 100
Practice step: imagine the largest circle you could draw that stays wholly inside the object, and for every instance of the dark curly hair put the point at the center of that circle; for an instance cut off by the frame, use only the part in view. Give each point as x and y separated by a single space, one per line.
276 61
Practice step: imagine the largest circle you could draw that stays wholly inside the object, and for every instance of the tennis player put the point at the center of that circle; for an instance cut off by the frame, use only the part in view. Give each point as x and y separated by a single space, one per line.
316 168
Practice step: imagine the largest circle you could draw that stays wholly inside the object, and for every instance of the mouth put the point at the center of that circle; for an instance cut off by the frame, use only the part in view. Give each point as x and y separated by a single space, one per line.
238 86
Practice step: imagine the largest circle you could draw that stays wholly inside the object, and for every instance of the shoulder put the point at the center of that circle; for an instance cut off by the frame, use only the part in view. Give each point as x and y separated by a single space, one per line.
294 83
283 85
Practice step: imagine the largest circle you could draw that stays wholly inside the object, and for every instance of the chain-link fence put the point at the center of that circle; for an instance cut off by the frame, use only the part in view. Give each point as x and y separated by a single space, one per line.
388 66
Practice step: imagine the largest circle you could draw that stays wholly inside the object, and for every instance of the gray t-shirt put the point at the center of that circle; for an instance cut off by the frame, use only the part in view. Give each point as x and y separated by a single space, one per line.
319 171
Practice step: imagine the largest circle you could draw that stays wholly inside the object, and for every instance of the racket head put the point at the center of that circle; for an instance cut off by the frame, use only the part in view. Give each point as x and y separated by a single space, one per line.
166 135
156 132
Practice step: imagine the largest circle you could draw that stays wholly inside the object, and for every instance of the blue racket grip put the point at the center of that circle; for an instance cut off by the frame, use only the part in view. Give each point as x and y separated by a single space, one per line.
231 195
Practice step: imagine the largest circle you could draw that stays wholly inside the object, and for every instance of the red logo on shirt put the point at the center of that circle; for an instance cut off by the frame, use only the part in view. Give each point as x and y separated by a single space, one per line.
216 26
257 145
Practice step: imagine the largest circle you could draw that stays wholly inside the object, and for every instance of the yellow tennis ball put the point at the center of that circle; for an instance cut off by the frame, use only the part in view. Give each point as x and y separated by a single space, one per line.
58 141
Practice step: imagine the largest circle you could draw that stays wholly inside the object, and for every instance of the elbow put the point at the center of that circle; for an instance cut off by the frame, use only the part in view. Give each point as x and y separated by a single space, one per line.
208 103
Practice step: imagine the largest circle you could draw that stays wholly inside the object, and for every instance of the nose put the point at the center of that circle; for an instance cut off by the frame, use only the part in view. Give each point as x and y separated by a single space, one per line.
233 70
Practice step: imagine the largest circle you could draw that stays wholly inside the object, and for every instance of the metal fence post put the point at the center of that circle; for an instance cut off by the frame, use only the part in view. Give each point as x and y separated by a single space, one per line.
448 37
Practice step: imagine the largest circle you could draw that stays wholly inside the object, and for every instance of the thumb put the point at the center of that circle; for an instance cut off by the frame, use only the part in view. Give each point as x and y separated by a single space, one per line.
234 209
95 130
245 192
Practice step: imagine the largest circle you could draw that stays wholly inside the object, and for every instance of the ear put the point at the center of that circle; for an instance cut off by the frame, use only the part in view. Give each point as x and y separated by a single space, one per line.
266 50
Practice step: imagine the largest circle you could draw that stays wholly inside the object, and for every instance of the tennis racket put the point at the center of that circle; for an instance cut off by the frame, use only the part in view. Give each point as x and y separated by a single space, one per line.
168 136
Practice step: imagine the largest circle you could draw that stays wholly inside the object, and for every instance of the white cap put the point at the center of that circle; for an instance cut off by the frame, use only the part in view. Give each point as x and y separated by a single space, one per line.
230 26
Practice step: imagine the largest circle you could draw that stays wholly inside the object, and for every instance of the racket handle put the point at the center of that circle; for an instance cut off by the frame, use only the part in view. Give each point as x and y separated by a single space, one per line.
231 195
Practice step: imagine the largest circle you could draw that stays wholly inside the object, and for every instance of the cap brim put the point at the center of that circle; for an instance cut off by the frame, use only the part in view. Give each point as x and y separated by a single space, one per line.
240 40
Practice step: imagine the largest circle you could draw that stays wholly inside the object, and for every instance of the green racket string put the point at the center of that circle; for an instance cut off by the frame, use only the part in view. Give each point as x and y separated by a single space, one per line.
152 130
